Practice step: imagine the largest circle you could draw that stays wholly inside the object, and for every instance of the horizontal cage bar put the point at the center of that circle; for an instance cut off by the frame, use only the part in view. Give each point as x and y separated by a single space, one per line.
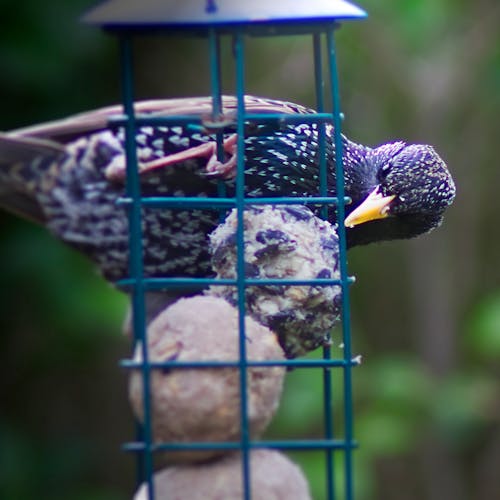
208 202
292 363
141 119
160 283
295 444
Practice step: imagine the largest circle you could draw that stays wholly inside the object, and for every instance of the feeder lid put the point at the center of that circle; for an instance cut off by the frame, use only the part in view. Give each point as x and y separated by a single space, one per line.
196 14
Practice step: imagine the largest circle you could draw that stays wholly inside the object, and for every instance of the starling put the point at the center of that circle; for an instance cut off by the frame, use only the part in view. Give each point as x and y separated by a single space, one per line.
69 174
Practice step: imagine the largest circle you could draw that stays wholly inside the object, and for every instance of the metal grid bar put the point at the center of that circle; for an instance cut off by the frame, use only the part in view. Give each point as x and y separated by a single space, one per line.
145 464
295 444
134 202
323 191
160 283
182 202
192 121
239 55
292 363
346 322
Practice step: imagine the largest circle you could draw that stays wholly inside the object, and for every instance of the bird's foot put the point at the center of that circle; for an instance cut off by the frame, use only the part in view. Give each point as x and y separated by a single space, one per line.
224 170
116 170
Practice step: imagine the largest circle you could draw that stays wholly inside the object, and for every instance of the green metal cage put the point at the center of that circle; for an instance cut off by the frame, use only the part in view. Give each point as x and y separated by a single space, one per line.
212 20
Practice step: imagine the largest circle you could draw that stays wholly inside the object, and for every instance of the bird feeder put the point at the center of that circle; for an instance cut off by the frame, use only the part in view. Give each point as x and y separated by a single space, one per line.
211 20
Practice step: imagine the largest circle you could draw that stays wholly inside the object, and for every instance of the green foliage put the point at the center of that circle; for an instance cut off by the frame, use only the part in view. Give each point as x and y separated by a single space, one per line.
46 469
48 54
58 287
483 328
301 407
396 391
465 406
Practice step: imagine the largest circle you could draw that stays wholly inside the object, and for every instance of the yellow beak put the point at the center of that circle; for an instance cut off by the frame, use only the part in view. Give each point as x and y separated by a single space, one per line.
375 206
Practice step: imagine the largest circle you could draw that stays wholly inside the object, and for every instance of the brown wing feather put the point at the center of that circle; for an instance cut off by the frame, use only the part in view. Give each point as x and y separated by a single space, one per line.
68 129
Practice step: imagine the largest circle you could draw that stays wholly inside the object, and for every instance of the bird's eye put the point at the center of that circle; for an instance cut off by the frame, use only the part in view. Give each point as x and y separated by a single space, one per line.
383 171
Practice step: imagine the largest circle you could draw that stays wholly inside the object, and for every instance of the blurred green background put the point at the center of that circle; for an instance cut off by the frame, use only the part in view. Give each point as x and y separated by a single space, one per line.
426 313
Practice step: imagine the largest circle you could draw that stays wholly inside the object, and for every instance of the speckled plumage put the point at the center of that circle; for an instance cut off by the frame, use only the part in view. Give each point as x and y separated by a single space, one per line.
69 174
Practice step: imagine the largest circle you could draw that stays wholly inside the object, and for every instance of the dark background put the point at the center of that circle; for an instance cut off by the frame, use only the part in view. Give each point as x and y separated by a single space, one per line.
426 313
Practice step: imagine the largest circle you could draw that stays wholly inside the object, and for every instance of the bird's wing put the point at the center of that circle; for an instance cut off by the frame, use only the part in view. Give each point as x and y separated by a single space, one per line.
49 138
70 128
89 122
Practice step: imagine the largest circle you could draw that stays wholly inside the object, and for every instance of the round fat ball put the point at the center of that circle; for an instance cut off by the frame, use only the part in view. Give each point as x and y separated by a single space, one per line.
284 242
203 404
273 477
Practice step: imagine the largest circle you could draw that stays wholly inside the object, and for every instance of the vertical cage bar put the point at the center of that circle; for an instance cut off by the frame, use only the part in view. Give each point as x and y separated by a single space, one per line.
216 91
323 191
135 252
215 70
319 81
215 82
318 73
346 320
239 54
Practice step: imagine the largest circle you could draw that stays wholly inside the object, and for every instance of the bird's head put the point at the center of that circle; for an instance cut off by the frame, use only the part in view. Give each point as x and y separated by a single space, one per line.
412 189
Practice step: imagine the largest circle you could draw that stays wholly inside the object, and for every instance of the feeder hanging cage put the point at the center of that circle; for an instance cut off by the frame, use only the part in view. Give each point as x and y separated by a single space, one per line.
212 20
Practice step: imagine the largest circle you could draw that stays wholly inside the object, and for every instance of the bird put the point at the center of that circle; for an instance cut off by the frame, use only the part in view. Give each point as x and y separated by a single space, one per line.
69 174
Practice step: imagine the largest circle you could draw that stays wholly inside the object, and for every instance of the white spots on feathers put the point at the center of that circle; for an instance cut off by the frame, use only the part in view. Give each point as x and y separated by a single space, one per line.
141 139
282 157
177 140
158 143
144 153
289 140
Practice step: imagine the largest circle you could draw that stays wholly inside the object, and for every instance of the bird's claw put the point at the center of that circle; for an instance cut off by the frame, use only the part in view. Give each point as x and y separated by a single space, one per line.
224 170
116 170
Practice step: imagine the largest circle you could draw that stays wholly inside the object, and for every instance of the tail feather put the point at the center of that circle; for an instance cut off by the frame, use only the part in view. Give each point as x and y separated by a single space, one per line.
17 179
17 149
23 205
